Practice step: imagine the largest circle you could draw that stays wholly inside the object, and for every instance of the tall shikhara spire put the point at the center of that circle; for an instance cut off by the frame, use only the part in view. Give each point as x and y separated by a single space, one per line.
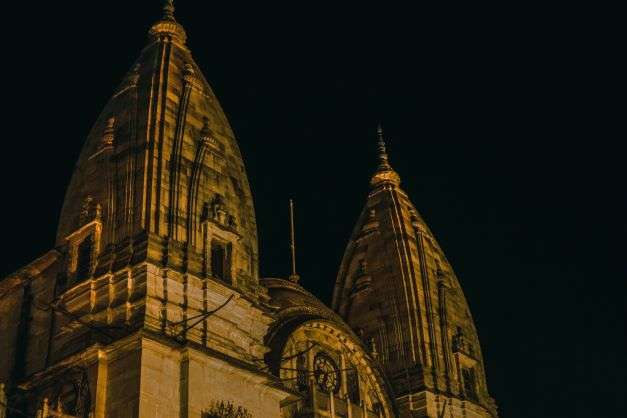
172 182
396 289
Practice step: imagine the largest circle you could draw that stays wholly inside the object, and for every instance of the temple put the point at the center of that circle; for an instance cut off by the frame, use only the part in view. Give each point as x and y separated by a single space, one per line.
150 304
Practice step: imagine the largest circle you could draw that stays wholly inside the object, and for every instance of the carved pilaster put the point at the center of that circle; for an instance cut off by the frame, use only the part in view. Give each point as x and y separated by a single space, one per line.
174 214
442 289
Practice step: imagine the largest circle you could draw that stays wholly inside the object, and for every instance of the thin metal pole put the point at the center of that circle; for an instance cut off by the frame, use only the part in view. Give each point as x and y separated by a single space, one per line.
294 277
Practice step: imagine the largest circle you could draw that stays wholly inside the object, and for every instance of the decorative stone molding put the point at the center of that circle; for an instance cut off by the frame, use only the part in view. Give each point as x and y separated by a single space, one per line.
130 81
370 227
222 409
191 78
89 211
363 280
108 136
216 212
89 229
169 29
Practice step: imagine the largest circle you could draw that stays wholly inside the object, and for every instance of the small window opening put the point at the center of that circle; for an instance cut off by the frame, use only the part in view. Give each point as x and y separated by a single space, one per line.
470 384
352 383
83 264
218 261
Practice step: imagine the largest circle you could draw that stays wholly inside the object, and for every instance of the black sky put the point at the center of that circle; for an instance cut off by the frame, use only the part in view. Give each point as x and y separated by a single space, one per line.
497 121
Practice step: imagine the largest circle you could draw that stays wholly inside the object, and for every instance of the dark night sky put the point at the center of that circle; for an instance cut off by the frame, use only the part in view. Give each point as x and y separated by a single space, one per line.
496 122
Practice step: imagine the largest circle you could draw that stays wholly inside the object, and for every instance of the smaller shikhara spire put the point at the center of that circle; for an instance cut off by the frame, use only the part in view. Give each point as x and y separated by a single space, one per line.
385 173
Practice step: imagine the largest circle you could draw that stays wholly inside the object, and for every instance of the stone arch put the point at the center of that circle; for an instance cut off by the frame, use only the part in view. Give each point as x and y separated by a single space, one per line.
323 335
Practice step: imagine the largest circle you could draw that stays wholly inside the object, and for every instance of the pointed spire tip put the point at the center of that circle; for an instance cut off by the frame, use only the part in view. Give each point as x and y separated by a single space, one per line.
383 154
168 9
385 172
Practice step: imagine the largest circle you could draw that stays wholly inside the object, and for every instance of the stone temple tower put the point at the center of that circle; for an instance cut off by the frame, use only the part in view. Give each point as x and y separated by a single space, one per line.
396 289
156 252
162 171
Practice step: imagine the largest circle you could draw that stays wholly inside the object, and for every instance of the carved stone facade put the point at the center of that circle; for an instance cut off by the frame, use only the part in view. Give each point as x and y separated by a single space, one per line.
151 304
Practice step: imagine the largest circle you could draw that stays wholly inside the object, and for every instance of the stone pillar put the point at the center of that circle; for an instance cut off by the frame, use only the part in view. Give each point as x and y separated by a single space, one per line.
101 385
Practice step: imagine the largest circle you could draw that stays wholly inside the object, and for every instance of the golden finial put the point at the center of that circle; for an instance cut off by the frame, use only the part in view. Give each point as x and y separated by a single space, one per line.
294 277
168 10
382 150
167 25
384 173
383 153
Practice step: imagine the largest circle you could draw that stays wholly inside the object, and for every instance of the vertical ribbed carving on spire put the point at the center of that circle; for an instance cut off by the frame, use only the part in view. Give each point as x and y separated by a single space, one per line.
176 157
444 334
206 138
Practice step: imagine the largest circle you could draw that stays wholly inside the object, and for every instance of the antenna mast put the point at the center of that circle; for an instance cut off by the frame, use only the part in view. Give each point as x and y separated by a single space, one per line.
293 277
